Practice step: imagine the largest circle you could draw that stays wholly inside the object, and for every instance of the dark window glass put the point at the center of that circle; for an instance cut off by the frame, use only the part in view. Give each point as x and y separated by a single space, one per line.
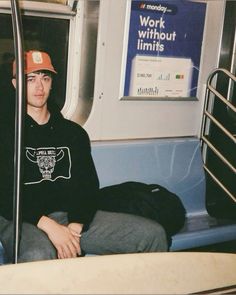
48 34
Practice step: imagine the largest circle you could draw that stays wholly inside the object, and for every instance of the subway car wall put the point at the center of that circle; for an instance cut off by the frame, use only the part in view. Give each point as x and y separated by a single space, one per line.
149 137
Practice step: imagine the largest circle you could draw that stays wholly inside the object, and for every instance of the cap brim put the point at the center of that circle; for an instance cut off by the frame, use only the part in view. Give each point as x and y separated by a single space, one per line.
40 69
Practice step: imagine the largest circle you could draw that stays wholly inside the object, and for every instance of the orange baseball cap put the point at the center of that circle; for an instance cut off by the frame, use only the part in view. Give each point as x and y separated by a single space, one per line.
36 61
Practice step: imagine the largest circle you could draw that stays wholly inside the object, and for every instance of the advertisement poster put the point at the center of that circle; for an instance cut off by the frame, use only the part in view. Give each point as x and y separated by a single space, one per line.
164 48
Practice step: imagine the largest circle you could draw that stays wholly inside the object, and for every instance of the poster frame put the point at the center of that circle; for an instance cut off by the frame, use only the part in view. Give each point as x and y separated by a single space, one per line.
122 95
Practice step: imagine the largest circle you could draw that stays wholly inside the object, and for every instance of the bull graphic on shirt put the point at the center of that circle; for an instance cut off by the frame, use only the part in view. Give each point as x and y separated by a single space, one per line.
44 164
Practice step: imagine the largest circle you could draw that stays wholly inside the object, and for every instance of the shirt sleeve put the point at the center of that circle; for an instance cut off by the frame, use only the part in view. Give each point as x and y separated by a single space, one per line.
83 197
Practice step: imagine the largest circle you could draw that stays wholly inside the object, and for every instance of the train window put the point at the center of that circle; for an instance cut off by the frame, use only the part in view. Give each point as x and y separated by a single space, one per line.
48 34
66 30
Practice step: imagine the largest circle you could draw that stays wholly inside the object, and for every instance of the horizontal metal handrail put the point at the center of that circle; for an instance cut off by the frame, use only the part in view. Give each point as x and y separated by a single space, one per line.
222 98
214 91
208 118
216 122
218 70
220 183
216 151
36 7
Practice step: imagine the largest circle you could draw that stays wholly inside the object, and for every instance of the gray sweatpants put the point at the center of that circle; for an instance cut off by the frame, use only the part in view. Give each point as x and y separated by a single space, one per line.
109 233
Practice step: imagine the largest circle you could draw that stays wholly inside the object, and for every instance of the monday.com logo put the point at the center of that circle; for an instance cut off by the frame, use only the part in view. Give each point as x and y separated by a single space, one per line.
157 7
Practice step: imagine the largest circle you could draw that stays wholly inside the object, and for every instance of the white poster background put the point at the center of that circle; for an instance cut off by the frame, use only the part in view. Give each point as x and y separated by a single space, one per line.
160 76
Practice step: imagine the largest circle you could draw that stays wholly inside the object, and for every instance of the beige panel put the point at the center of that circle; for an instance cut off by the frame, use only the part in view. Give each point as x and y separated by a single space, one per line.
152 273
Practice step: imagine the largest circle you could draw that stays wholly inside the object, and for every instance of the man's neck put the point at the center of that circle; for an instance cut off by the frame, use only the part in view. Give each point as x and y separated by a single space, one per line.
40 115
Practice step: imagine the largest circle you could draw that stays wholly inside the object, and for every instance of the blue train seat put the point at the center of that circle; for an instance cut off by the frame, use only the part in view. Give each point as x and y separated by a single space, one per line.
175 164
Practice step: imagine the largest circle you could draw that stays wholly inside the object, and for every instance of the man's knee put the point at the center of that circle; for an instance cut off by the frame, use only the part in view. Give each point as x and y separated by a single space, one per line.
124 233
151 237
35 245
38 253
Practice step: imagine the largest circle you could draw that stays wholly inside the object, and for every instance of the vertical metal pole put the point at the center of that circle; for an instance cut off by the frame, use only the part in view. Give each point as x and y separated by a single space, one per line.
19 122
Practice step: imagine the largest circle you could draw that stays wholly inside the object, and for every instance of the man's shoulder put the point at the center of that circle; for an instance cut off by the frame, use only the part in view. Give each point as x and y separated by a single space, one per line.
73 128
71 124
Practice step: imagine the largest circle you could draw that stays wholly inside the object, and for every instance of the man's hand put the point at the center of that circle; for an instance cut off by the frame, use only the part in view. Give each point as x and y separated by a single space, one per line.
64 239
75 228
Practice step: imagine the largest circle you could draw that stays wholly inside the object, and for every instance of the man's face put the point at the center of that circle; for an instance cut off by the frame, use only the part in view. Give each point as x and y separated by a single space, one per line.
38 89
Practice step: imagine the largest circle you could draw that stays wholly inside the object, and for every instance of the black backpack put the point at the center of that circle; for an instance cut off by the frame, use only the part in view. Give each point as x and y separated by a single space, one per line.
148 200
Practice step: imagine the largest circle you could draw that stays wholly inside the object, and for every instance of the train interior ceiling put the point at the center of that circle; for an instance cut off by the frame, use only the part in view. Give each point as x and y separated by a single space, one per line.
181 136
